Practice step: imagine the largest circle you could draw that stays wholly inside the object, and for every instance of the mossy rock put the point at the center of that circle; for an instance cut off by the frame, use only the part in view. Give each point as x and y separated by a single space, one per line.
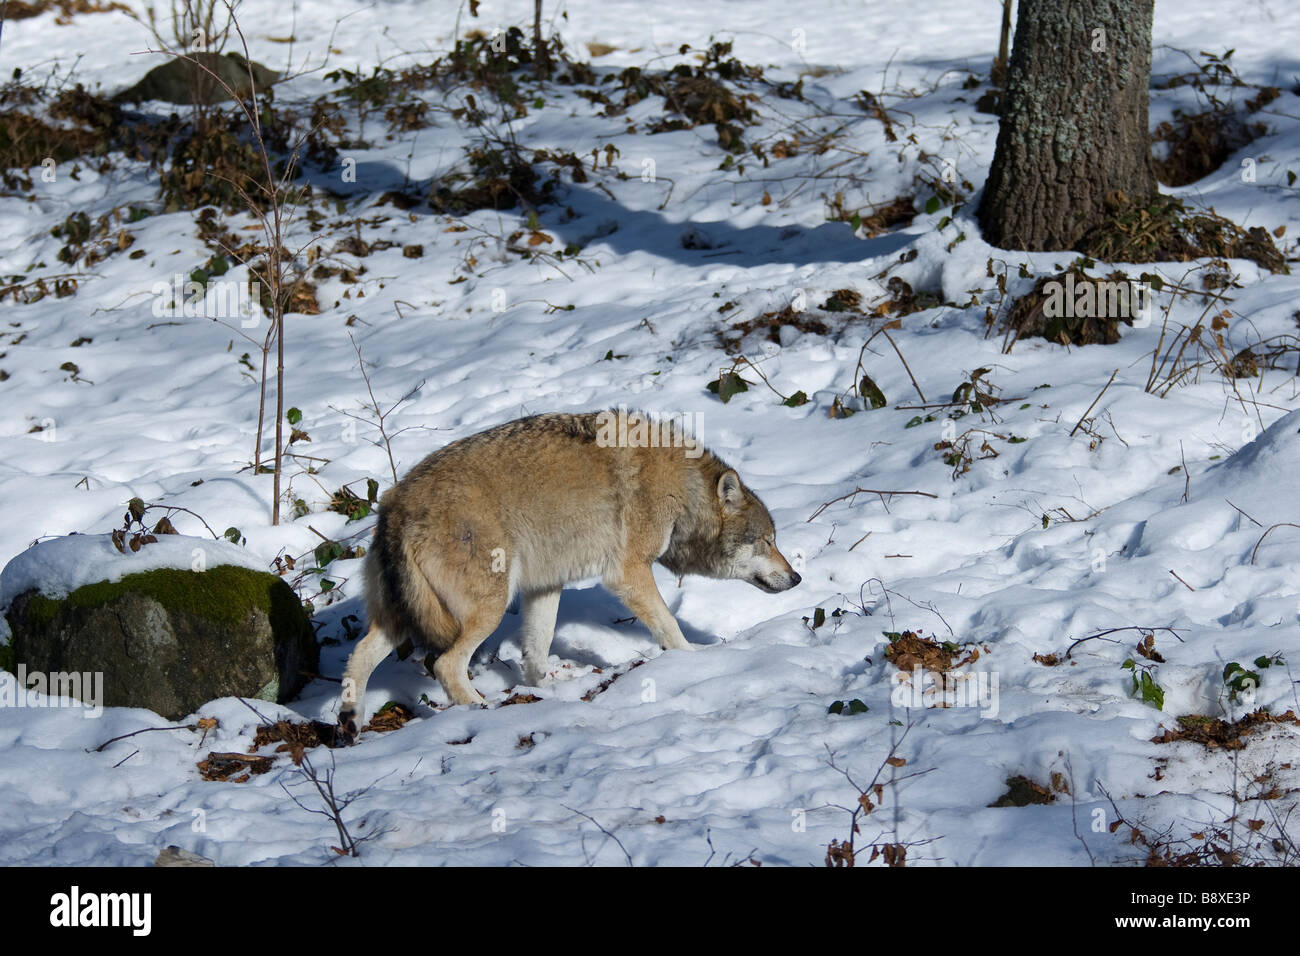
171 640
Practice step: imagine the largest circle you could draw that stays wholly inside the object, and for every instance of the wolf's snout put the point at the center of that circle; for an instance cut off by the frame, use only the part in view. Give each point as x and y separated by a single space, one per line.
778 582
785 582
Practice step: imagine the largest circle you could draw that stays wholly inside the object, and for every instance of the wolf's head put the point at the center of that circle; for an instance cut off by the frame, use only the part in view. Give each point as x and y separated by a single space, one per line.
747 542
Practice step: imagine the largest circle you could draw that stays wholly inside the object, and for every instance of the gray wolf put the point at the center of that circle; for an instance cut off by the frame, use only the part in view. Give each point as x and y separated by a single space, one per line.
532 505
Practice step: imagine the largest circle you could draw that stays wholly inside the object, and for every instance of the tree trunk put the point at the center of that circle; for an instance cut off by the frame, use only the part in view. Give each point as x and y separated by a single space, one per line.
541 56
998 75
1074 130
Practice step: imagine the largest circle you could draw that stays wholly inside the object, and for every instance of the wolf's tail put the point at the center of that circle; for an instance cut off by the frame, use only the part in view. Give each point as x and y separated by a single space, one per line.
400 597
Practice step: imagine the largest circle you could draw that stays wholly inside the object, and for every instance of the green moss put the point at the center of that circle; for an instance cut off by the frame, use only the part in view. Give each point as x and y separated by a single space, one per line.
222 595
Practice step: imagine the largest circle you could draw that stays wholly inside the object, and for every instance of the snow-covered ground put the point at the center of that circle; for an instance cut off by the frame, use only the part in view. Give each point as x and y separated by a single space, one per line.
729 748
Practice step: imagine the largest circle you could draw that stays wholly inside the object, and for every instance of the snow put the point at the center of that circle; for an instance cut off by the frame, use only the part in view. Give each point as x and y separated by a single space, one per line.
731 745
58 567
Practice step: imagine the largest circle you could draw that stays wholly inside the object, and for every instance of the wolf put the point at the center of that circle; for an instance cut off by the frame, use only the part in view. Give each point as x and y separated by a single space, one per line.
537 503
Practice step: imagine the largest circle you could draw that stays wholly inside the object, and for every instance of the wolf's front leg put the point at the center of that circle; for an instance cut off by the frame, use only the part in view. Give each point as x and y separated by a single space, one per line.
370 650
636 589
540 608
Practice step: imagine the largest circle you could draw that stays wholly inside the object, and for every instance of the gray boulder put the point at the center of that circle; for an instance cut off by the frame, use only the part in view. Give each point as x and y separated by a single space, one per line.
170 640
185 80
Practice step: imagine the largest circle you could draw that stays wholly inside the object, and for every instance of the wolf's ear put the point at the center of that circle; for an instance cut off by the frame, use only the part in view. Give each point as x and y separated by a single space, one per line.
729 492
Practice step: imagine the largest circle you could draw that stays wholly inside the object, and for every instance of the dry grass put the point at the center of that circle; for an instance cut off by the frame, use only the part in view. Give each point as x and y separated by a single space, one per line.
1166 230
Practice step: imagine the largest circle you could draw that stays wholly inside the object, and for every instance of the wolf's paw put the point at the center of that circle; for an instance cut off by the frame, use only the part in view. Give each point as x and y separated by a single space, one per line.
347 728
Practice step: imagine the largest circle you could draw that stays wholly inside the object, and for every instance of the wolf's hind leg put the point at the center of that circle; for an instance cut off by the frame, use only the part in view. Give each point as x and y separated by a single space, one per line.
452 666
370 650
635 587
540 608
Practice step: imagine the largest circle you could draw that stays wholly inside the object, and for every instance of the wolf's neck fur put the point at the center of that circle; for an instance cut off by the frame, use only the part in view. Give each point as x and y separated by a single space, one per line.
698 522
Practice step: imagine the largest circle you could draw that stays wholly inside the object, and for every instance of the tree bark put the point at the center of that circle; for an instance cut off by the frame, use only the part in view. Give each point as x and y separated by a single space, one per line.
1074 136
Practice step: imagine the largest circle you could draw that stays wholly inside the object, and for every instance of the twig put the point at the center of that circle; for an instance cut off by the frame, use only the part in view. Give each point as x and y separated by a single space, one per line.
196 514
742 360
1094 403
273 226
1074 803
1101 635
374 403
904 361
741 861
100 748
920 408
883 330
867 491
1248 517
1284 524
334 804
844 854
927 606
1181 581
860 540
611 836
1187 477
